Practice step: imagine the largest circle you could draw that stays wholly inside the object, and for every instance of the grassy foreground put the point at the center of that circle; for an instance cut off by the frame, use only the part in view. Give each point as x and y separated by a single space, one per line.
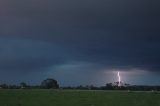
77 98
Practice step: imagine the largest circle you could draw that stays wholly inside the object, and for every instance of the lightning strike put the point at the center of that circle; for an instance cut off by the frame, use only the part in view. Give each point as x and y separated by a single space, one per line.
119 79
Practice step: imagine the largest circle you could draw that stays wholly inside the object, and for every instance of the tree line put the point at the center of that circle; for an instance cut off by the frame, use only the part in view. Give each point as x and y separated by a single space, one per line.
45 84
53 84
113 86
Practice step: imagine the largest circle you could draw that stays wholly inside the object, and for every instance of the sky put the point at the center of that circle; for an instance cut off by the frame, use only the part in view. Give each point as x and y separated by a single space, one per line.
80 42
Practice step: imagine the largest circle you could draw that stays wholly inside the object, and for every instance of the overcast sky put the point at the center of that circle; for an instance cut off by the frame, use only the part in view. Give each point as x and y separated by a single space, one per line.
80 41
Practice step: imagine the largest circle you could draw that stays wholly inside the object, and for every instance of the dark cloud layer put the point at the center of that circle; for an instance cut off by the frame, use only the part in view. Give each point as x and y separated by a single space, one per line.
108 34
29 55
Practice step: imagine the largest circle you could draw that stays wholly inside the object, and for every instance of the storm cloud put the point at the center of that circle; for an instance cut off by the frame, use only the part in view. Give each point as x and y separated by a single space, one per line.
88 36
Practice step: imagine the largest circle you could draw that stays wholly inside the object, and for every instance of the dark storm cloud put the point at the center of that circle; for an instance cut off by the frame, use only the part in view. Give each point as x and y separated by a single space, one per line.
69 18
28 55
108 34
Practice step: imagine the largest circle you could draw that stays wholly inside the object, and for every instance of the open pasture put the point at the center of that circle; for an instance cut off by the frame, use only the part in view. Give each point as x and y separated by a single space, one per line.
77 98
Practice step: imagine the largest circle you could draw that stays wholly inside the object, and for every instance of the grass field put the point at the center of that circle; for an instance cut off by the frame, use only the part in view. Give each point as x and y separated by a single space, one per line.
77 98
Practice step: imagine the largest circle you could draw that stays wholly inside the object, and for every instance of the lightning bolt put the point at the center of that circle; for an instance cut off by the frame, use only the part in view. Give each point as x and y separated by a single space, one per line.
119 79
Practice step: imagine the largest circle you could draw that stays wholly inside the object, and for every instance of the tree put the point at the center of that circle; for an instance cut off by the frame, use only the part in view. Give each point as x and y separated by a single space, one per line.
49 83
23 85
109 86
4 86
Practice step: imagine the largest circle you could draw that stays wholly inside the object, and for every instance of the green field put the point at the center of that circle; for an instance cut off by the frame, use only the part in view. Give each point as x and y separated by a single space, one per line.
77 98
